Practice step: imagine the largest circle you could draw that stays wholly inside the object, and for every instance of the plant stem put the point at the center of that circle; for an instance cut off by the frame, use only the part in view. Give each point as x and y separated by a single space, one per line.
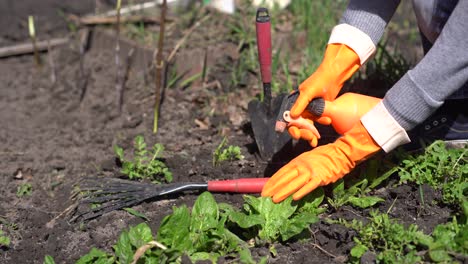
32 34
159 66
117 59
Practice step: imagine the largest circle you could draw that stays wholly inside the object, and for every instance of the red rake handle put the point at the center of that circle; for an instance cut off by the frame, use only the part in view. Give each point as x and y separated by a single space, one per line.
263 26
247 185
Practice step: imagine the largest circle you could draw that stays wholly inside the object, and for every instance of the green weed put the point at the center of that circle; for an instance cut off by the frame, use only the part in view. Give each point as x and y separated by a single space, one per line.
269 222
395 243
440 167
392 242
24 189
229 153
358 193
4 239
145 164
200 234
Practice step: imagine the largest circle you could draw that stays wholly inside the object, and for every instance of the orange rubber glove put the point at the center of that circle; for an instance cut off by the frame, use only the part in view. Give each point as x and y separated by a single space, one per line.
339 63
321 166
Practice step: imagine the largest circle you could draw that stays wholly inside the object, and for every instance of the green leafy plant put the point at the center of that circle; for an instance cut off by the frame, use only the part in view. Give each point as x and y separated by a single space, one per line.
145 164
449 240
442 168
358 193
269 222
229 153
4 239
199 234
24 189
391 241
395 243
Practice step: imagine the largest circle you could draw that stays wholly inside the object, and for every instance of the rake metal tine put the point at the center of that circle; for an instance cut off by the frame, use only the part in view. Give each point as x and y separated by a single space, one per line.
97 213
101 199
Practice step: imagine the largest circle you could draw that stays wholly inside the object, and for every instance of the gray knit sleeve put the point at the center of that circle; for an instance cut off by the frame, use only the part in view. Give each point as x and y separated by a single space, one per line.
370 16
440 73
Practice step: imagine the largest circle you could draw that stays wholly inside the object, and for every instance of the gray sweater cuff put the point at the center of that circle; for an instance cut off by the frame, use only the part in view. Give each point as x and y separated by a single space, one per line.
409 104
371 17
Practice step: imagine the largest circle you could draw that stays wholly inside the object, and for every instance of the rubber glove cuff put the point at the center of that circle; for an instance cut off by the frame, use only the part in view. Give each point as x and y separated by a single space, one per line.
384 129
354 38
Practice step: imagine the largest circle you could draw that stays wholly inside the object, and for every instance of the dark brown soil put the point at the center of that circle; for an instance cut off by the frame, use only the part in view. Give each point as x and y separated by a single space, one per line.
55 140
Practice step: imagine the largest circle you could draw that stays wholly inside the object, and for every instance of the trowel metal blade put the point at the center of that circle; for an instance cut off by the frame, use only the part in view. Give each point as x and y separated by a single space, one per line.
263 122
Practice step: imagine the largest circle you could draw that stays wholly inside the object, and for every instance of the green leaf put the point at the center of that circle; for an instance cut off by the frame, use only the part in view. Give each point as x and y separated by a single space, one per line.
95 256
123 248
136 213
176 238
205 212
338 188
119 152
140 235
358 250
364 202
439 255
297 224
246 221
4 240
49 260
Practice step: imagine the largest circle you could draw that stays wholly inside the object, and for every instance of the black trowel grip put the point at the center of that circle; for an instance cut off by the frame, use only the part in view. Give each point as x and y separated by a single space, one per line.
316 106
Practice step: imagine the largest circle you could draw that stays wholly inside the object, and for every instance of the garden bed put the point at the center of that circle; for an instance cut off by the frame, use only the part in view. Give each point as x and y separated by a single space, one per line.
51 140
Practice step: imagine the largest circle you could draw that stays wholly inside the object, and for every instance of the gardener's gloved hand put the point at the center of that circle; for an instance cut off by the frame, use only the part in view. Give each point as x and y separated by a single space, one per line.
321 166
348 48
338 65
328 163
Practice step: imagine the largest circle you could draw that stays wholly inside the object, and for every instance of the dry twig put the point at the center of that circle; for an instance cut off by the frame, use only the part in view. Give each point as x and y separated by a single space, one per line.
159 66
26 48
141 250
185 37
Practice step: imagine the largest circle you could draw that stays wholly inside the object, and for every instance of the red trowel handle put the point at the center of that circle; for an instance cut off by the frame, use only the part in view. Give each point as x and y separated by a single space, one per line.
247 185
263 26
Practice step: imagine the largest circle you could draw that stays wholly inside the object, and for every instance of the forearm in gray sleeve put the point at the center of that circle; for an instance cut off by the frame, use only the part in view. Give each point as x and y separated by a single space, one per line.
371 17
440 73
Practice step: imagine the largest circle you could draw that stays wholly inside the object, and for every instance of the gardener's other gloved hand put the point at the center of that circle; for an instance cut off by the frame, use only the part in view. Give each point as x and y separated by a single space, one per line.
377 129
348 48
321 166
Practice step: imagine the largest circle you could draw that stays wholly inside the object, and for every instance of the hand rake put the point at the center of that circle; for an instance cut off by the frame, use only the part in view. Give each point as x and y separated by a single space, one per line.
97 196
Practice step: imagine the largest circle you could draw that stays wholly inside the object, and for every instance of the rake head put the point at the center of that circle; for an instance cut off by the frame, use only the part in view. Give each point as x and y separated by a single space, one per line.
97 196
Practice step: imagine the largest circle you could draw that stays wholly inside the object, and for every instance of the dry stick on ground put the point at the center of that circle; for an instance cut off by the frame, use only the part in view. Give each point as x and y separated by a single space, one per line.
159 66
99 20
53 75
26 48
83 75
185 37
124 78
119 76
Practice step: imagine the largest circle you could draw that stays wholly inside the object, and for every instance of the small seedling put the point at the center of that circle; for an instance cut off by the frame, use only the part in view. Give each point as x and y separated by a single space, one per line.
223 153
145 164
24 189
358 193
49 260
4 239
